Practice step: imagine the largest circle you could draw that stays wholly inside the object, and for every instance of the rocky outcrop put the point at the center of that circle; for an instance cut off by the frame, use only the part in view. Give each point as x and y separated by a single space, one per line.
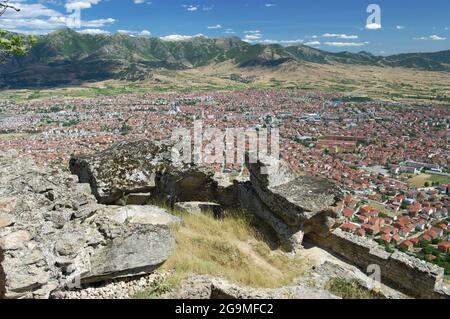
205 287
186 183
290 204
285 201
330 270
127 167
54 234
137 171
294 199
410 275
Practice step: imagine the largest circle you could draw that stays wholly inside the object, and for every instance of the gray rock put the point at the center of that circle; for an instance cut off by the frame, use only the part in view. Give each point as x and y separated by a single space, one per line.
15 240
290 204
205 287
61 237
330 270
7 204
135 199
144 215
197 208
135 167
186 183
5 221
127 167
293 199
227 189
290 237
138 251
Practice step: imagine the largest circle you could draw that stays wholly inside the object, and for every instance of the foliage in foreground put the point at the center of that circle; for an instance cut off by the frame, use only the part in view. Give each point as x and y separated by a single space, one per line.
349 290
14 44
157 288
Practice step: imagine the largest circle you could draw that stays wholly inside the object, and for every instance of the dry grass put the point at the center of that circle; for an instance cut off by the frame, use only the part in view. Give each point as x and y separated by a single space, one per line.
232 249
12 136
391 84
349 290
420 180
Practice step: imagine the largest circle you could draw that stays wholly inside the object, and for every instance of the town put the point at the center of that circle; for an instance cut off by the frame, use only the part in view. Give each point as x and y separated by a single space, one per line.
392 159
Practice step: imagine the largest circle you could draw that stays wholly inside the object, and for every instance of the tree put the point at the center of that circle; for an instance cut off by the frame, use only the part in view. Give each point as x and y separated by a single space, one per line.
12 44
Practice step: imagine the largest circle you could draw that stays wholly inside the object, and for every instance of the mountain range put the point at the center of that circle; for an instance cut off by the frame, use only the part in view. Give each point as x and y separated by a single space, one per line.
67 57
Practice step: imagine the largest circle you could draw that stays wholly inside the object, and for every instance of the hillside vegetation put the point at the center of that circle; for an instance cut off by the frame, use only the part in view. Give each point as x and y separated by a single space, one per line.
238 248
66 57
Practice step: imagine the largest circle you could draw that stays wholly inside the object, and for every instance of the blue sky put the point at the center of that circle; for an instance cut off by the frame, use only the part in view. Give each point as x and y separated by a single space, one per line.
405 26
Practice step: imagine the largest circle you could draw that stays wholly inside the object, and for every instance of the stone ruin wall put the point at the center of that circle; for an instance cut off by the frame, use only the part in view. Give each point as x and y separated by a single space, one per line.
410 275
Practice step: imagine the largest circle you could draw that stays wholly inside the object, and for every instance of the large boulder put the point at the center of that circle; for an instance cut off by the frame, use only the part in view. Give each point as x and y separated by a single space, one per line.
294 199
54 234
291 205
185 183
133 172
290 237
127 167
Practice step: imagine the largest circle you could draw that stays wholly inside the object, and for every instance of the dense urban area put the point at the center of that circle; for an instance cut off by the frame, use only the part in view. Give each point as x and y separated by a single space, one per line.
392 159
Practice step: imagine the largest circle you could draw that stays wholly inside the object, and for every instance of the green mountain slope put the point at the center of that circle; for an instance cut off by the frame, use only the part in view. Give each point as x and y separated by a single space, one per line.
67 57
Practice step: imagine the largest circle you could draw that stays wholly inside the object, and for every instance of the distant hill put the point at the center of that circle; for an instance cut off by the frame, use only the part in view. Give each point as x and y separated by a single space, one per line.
68 57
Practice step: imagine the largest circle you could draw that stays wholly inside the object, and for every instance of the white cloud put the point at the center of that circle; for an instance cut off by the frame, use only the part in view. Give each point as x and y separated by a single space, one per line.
191 7
431 37
437 38
291 41
270 5
373 26
339 36
178 37
72 5
30 11
268 41
93 31
39 19
217 26
346 44
145 33
252 35
313 43
97 23
400 27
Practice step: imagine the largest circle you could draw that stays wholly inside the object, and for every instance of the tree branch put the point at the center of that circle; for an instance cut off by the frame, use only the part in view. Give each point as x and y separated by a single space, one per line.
5 6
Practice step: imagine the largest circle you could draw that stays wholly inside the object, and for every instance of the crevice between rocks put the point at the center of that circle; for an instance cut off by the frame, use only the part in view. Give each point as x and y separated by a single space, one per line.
2 275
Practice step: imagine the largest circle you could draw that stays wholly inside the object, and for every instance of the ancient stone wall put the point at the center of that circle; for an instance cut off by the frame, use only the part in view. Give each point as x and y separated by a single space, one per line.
415 277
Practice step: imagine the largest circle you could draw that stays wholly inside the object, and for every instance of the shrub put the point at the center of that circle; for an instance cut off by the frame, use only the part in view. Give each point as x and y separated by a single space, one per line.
349 290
